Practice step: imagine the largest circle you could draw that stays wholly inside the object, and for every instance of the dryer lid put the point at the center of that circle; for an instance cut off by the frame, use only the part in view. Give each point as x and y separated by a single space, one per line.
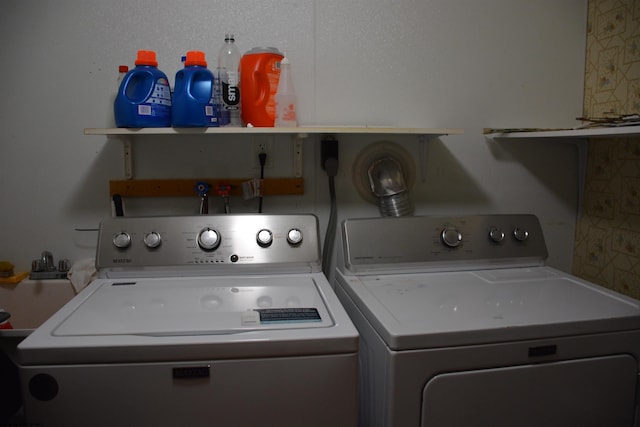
429 310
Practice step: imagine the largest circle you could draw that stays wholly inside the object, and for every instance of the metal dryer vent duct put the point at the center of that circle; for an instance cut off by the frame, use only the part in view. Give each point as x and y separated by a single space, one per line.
387 184
383 173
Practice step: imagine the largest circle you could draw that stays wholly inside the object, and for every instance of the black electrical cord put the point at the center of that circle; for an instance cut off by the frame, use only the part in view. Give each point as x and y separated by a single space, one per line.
331 167
262 157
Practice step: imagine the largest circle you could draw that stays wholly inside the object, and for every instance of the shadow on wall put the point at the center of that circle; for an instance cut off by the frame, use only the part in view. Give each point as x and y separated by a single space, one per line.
445 182
89 199
553 164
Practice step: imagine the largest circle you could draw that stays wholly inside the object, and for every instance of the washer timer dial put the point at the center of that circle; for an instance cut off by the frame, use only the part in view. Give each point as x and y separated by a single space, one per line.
208 239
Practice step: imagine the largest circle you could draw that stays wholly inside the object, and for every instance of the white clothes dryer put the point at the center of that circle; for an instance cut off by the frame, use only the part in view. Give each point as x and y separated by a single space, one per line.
462 324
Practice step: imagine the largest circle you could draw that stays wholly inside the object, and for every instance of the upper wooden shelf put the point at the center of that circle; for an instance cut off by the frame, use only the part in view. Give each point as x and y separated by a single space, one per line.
595 132
301 131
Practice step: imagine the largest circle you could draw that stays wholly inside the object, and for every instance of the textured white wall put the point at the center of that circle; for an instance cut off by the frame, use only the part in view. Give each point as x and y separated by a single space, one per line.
420 63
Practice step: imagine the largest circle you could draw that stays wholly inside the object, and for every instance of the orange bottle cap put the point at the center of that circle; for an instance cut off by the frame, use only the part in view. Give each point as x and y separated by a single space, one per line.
195 57
146 57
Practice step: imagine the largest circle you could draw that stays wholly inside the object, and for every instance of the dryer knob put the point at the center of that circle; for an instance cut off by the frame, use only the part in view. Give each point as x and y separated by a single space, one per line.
121 240
294 237
152 240
264 238
520 234
208 239
451 237
496 235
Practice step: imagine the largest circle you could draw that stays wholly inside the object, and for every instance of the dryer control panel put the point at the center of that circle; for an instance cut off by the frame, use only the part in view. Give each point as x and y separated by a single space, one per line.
209 240
442 243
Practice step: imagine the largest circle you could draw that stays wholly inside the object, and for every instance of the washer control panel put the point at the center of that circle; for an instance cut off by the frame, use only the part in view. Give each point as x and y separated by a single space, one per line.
442 242
240 239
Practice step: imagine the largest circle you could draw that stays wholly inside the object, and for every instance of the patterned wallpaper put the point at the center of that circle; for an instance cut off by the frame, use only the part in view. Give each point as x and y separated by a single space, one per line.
607 247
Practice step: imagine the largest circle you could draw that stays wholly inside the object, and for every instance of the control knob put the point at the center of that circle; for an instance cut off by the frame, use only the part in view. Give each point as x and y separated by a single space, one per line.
152 240
208 239
520 234
294 237
496 235
451 237
264 238
121 240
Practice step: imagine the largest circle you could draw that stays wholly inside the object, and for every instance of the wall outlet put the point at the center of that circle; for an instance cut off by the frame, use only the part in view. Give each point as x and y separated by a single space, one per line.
262 144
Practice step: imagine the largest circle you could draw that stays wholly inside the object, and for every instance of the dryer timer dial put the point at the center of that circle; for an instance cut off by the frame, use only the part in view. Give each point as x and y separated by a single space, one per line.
451 237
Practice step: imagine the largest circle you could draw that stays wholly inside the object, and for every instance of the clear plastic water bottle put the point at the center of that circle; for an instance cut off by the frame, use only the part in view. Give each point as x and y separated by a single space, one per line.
223 115
286 103
229 74
122 71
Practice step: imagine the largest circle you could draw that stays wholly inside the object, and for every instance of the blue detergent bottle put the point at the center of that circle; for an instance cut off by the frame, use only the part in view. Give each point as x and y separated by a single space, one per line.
193 95
144 97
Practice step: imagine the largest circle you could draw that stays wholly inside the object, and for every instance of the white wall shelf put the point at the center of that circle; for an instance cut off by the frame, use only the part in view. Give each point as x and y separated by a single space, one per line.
300 131
297 134
598 132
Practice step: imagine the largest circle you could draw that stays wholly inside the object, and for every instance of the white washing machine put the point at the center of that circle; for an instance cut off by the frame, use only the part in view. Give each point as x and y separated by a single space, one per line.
197 321
462 324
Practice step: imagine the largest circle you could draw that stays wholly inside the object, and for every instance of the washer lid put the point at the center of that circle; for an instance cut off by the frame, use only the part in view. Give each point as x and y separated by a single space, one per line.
197 306
414 311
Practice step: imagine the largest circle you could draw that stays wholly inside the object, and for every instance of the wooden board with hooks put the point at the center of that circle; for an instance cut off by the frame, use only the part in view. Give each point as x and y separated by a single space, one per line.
186 187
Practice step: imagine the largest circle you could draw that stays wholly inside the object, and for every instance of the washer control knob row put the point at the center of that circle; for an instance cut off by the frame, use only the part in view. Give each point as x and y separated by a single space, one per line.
264 238
520 234
208 239
152 239
122 240
451 237
294 237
